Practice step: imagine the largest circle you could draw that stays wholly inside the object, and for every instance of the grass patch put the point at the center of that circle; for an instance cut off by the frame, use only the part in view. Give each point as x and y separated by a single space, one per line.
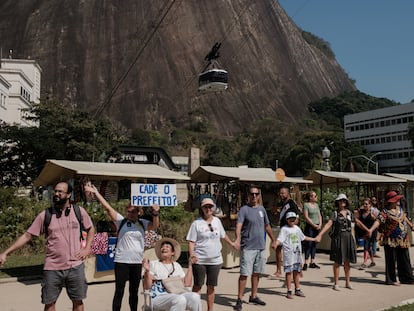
22 265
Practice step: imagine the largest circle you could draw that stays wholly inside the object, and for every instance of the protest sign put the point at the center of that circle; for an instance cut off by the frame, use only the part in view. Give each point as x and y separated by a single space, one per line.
150 194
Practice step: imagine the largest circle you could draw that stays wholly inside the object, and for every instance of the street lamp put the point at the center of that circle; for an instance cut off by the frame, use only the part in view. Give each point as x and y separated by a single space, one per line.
369 160
326 153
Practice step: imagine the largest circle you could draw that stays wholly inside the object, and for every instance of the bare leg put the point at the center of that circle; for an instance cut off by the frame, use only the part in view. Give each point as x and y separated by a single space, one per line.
288 280
296 277
242 285
347 269
255 284
336 273
77 305
210 297
50 307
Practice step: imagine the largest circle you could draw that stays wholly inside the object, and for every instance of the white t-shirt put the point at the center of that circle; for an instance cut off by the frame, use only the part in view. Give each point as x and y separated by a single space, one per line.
130 245
160 271
207 240
291 239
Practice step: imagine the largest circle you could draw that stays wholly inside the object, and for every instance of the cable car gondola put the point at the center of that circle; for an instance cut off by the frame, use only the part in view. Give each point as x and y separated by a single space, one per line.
213 80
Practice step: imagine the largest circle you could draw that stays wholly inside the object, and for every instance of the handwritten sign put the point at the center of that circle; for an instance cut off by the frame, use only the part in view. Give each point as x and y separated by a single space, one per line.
150 194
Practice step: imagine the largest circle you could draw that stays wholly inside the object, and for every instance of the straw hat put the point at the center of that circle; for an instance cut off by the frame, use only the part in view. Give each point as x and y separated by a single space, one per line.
174 243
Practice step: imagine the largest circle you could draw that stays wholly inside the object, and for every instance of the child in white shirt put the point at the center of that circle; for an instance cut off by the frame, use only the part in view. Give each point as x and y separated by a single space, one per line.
291 237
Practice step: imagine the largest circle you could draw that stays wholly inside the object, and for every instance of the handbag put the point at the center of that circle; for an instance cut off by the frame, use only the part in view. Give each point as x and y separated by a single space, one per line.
174 285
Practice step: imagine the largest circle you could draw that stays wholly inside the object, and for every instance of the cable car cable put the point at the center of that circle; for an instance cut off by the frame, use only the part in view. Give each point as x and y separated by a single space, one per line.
114 89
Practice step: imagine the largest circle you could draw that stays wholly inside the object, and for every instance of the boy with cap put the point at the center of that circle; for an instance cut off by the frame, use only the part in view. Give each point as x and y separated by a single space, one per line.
290 238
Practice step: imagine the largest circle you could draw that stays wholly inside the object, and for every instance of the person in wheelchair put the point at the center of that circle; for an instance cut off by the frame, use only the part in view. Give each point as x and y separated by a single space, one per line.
168 283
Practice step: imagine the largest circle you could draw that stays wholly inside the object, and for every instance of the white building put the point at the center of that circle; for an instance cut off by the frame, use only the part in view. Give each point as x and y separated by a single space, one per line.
19 87
384 131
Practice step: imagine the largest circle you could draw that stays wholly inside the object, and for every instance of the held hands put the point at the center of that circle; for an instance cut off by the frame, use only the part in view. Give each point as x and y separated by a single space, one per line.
236 244
193 259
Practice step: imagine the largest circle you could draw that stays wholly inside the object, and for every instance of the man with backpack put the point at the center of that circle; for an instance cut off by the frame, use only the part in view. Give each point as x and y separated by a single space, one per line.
64 252
129 251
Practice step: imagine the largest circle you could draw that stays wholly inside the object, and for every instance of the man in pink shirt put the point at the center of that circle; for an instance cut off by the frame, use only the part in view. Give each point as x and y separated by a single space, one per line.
64 254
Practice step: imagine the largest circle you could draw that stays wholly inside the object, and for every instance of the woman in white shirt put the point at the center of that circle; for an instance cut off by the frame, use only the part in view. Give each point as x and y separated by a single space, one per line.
204 247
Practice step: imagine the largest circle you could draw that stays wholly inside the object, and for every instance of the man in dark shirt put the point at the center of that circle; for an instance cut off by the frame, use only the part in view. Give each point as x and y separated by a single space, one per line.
288 205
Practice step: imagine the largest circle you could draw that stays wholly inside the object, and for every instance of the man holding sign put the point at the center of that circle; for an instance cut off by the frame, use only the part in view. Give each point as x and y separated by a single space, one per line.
129 251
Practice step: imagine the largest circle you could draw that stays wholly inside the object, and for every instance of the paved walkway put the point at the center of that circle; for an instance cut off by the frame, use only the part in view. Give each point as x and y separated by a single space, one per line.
369 294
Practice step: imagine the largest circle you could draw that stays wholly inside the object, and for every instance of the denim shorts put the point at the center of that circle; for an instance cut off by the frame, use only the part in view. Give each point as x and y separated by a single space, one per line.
294 267
73 279
252 261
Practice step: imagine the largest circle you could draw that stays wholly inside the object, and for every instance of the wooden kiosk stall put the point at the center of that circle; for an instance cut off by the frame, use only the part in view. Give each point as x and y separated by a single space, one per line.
228 186
116 179
363 185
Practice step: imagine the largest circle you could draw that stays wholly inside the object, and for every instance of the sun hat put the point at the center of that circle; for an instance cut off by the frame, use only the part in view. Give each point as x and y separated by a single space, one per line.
341 196
174 243
392 197
207 201
291 215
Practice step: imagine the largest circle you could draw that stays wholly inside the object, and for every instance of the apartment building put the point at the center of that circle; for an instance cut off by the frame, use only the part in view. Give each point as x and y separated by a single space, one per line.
384 131
20 81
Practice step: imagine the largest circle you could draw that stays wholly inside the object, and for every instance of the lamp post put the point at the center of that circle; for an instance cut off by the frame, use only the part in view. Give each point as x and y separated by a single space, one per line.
369 160
326 153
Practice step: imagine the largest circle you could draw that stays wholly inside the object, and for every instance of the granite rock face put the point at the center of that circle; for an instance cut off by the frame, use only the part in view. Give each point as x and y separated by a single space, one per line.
138 61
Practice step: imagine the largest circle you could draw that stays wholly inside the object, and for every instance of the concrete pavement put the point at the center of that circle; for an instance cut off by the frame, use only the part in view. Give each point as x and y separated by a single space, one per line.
369 292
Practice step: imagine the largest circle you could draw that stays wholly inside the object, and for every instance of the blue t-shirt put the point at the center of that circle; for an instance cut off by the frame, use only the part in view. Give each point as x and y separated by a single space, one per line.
253 233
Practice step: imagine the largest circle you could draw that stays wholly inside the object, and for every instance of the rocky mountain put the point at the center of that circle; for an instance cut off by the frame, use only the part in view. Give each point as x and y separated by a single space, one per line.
138 61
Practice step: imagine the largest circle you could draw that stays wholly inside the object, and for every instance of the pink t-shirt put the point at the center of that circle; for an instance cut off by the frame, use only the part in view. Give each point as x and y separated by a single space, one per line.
63 241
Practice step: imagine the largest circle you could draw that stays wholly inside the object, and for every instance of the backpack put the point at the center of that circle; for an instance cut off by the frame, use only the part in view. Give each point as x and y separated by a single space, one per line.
123 222
48 217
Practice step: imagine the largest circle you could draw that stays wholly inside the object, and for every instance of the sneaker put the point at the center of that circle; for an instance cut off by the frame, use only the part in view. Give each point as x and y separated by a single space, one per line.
336 287
314 266
289 295
349 286
372 264
256 300
299 293
305 267
238 305
363 266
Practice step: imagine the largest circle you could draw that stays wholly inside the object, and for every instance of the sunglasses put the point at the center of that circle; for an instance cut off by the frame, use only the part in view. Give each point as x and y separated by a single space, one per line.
254 194
211 227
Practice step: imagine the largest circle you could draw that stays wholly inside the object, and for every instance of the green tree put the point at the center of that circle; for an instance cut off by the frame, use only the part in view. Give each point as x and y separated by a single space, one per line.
62 133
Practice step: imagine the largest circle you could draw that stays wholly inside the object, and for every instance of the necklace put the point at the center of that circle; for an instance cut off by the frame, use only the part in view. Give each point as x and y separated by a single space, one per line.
170 272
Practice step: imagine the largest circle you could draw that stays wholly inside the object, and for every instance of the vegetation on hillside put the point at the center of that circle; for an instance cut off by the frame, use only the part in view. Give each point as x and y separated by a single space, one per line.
66 133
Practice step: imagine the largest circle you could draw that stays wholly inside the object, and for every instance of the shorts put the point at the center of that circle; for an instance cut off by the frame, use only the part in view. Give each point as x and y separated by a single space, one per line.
200 272
73 279
291 268
252 261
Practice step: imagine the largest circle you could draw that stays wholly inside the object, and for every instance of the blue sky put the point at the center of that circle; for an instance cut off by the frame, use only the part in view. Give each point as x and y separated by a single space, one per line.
373 40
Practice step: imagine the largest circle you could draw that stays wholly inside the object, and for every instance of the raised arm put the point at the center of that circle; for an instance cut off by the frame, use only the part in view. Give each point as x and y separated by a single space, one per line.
22 240
147 283
111 212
